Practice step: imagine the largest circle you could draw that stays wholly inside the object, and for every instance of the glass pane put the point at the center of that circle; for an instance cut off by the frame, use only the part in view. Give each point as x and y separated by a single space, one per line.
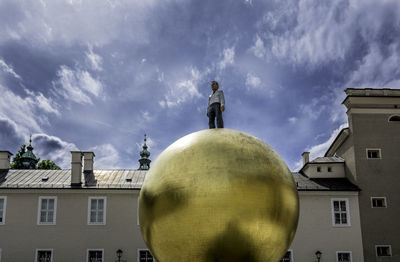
95 256
44 204
44 256
42 216
337 218
100 216
50 215
51 204
344 218
1 204
93 204
101 204
92 216
343 205
336 205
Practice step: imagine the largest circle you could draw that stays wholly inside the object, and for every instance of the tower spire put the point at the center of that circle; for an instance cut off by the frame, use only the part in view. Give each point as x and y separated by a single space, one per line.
29 160
144 154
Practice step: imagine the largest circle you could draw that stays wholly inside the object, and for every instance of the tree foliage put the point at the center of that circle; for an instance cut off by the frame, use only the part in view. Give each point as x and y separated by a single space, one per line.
48 164
17 162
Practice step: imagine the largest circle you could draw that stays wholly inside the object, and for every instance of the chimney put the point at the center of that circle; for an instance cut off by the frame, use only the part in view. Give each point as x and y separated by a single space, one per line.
76 168
88 159
5 160
306 157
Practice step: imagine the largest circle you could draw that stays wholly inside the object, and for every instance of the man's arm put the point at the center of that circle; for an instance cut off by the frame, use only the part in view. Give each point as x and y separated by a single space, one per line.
222 99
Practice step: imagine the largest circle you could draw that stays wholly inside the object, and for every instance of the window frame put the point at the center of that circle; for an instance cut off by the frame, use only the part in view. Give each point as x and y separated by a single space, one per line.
104 210
372 202
390 250
347 212
40 210
349 252
43 249
377 149
329 169
94 249
4 210
144 249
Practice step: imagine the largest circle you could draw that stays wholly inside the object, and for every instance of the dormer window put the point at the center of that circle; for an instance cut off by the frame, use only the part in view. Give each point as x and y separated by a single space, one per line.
318 169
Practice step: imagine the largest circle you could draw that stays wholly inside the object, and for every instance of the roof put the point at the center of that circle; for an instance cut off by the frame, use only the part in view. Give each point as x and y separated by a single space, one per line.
336 184
339 140
304 183
329 159
130 179
61 179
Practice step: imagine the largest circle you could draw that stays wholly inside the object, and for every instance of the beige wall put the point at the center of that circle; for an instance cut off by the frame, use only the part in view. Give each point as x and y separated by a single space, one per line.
337 170
20 236
316 231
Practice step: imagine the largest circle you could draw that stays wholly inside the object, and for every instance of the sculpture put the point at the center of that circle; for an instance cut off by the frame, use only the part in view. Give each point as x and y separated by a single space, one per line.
218 195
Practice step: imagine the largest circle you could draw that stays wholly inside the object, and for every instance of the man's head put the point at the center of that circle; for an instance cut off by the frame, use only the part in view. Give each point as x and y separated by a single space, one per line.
214 86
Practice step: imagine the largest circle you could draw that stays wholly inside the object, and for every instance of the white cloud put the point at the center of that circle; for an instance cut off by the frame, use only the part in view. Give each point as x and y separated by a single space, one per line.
94 60
252 82
77 85
73 21
107 157
292 120
27 112
8 69
258 49
46 104
314 109
320 149
183 90
312 32
378 69
228 58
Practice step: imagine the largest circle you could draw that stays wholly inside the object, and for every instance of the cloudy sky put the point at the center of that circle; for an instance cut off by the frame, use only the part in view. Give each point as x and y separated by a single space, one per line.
97 75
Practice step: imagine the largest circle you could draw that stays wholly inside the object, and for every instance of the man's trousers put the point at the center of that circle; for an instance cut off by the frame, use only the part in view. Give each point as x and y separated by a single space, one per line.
214 111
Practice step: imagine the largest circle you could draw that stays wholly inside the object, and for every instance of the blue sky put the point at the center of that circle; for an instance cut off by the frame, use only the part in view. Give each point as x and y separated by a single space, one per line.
97 75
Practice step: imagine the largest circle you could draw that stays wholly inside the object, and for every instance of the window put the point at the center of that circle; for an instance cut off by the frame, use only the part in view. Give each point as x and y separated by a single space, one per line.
288 257
318 169
378 202
343 256
340 212
374 153
3 202
95 255
144 255
329 169
97 211
383 250
44 255
47 210
394 118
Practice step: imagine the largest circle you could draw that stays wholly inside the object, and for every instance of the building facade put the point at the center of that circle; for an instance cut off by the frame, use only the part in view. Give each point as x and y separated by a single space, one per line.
370 147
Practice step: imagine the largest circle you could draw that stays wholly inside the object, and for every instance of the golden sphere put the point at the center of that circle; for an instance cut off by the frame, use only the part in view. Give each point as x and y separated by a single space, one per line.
218 195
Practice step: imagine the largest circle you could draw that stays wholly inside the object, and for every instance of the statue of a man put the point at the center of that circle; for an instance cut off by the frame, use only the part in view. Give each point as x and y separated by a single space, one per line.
216 105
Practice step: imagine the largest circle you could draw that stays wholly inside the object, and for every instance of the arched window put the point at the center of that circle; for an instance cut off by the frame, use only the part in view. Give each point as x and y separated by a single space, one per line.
395 118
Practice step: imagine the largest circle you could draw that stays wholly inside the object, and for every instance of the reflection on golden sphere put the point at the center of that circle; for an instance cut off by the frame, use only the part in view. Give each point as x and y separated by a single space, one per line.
218 195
